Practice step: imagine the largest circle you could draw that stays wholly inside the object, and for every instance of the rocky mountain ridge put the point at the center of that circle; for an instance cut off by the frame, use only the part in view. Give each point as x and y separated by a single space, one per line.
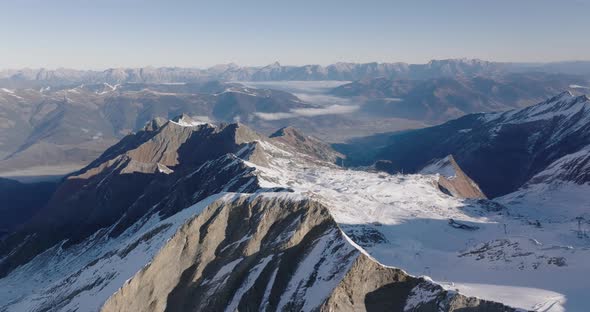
501 151
452 179
238 269
75 125
19 78
178 220
443 98
63 128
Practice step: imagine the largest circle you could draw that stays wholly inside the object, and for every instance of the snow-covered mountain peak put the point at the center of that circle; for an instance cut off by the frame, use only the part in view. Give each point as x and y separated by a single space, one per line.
451 178
186 121
564 105
230 219
491 250
562 95
446 167
275 64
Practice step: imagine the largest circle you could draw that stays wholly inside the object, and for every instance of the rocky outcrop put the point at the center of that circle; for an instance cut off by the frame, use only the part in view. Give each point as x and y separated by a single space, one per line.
501 151
190 217
370 286
246 253
162 169
452 180
311 146
65 126
275 253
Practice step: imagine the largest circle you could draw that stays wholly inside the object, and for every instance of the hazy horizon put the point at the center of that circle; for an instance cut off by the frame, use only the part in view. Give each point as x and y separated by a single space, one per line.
285 64
200 34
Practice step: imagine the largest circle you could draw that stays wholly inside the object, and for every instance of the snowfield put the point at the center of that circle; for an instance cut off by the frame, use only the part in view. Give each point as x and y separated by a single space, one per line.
517 251
404 221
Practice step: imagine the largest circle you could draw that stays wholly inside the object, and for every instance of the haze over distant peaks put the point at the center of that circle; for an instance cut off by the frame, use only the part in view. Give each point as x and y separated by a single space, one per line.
276 71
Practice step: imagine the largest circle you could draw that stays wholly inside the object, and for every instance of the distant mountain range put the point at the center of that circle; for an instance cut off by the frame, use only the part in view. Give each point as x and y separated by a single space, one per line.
186 197
56 128
20 78
75 125
441 99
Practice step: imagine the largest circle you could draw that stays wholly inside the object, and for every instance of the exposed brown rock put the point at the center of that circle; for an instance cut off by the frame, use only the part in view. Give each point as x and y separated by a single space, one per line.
306 144
191 272
453 180
370 286
182 276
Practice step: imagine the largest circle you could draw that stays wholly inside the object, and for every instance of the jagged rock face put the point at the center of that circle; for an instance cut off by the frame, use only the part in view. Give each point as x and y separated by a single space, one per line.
452 180
193 246
139 175
306 144
257 253
370 286
164 168
500 151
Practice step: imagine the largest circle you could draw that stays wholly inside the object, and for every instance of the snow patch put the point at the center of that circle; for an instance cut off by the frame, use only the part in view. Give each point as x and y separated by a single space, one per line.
248 283
444 167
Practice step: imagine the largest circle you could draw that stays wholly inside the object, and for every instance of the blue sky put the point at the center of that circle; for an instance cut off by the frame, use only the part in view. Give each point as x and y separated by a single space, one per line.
109 33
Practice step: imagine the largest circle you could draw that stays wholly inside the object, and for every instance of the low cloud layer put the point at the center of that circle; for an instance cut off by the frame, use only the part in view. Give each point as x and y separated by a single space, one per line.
312 92
323 99
308 87
309 112
578 87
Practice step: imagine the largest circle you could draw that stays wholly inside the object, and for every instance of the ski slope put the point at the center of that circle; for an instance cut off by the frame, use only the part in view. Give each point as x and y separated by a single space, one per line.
404 221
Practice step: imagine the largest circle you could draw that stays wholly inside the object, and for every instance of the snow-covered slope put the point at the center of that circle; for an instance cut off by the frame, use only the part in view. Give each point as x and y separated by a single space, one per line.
445 167
275 252
479 247
501 151
296 233
560 193
82 277
452 179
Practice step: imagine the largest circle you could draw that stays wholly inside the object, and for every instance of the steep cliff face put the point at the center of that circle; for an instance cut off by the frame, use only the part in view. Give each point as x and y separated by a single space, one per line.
307 145
370 286
164 168
243 251
501 151
452 180
220 218
109 219
275 253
